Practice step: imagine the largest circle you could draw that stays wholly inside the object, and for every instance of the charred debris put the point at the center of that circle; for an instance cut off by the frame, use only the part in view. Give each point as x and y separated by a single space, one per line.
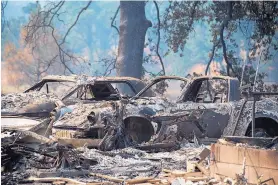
249 161
86 130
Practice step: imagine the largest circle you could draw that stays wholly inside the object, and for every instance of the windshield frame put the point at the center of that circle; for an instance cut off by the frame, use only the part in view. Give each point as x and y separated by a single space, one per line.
156 80
41 83
73 90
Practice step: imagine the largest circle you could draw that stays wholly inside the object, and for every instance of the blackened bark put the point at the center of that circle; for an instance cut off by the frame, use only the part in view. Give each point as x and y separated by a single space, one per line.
133 27
223 25
211 57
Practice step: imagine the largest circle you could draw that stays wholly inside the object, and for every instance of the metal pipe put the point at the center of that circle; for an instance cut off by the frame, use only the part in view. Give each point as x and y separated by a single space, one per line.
253 117
242 73
256 74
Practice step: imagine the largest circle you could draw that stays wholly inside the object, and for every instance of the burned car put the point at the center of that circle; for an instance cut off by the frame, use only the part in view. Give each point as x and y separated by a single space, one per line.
208 106
26 110
101 120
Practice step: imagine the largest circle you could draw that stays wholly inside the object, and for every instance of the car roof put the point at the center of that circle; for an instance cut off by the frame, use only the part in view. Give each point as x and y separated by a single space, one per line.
213 76
170 77
70 78
137 84
75 78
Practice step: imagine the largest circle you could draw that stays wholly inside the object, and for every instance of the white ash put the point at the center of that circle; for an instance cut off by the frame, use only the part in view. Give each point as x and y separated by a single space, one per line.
129 162
16 101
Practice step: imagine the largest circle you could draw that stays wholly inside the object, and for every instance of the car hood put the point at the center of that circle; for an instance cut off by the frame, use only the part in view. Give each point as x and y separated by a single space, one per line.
41 110
149 106
78 116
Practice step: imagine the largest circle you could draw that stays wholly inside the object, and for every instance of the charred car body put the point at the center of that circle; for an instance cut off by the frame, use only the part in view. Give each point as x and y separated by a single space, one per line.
208 106
26 110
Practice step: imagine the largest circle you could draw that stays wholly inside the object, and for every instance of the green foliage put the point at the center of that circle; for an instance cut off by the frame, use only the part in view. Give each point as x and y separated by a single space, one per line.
178 21
257 21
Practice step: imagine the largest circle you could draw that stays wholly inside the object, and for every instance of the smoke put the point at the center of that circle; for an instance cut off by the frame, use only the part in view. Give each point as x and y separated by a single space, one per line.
243 54
200 68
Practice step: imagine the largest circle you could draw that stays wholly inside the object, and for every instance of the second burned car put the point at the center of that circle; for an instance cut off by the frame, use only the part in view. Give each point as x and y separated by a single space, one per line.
208 106
30 110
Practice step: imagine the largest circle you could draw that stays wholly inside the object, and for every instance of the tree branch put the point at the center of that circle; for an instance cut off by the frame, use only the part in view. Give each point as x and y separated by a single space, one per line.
158 38
211 57
43 22
113 20
3 20
179 23
77 18
110 65
223 25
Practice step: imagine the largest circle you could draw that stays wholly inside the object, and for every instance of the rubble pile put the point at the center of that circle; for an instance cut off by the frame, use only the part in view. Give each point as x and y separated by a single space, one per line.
17 101
190 164
107 138
130 161
20 162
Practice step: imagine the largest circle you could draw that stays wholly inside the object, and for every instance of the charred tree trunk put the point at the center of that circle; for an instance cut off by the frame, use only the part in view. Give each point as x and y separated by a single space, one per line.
133 27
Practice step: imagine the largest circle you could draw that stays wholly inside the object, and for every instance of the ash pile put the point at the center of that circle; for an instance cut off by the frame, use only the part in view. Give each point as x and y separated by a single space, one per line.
35 162
17 101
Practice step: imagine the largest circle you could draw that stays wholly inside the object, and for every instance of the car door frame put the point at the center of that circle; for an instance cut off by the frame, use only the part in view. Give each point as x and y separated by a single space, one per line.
215 116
